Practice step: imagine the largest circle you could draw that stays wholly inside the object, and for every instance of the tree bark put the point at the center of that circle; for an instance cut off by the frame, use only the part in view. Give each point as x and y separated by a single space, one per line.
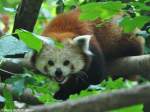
123 67
10 66
129 66
27 14
100 103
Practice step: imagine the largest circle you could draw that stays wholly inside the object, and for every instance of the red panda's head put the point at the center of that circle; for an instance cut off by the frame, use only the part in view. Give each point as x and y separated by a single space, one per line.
60 62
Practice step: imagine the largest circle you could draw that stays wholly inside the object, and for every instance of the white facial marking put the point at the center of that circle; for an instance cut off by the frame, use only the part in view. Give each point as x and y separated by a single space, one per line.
83 42
57 58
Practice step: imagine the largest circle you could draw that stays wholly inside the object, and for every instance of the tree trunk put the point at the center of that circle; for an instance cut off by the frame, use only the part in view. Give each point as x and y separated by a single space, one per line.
27 14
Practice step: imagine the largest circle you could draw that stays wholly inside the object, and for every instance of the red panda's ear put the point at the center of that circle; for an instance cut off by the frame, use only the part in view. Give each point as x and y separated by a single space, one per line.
83 42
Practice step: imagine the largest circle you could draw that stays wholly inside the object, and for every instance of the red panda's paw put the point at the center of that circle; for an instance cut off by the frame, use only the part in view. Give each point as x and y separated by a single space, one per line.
61 95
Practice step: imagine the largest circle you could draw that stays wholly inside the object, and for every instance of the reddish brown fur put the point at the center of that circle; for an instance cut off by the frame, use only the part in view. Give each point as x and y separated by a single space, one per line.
108 38
67 25
113 42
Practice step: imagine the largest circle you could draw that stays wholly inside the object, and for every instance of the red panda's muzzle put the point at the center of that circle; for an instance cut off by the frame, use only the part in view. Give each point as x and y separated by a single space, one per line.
59 77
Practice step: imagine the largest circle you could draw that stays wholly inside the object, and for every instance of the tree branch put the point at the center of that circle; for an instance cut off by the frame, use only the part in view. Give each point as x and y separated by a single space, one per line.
26 97
11 66
102 102
129 66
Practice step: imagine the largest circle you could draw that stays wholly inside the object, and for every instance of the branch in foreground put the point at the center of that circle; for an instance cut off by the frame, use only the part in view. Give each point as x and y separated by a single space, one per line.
26 97
102 102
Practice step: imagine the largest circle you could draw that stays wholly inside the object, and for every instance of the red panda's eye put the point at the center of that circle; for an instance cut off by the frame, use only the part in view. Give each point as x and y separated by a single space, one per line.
50 62
66 62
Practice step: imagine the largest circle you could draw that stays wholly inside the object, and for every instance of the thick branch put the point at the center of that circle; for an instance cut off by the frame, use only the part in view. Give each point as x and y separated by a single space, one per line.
27 14
102 102
130 66
13 66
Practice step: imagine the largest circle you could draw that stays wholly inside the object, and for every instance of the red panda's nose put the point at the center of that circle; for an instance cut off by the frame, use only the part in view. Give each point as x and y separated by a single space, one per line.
58 72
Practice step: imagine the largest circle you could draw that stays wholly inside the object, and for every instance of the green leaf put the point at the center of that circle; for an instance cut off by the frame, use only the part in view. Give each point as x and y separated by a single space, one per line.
19 86
146 1
46 98
140 6
84 93
42 87
59 45
9 104
9 45
18 83
113 84
135 108
31 40
71 2
129 24
103 10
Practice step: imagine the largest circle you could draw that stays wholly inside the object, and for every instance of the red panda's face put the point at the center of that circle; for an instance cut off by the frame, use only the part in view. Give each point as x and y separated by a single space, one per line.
60 63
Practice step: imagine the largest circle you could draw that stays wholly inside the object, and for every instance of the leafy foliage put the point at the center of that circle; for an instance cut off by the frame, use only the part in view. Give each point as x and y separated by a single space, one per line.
8 6
9 45
133 23
9 104
44 88
135 108
30 39
106 10
105 86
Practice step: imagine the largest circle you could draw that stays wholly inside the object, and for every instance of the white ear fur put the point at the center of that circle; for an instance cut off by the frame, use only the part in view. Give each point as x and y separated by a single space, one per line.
83 42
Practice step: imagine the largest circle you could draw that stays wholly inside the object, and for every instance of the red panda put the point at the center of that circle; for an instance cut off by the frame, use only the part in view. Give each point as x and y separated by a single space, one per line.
87 48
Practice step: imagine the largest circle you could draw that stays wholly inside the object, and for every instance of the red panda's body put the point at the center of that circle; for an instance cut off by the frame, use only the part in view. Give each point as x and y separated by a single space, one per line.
113 42
108 42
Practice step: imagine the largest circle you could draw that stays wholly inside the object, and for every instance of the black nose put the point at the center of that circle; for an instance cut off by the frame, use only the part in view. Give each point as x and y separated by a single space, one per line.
58 72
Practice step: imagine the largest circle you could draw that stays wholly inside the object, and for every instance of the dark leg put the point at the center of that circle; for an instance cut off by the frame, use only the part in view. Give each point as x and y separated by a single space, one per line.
96 71
72 86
